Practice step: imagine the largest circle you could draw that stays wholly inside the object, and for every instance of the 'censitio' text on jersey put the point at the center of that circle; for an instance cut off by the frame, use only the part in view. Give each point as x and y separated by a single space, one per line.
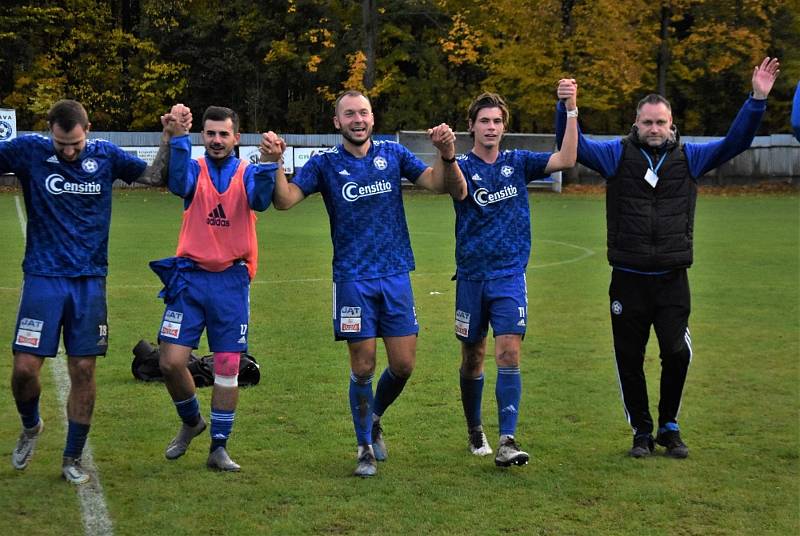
493 237
68 204
365 206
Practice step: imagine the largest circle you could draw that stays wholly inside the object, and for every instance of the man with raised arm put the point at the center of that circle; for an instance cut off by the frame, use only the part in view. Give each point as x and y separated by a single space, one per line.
493 245
651 192
66 181
207 283
360 183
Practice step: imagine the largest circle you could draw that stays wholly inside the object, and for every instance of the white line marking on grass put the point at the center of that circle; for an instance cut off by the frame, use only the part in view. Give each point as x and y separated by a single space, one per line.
586 253
94 512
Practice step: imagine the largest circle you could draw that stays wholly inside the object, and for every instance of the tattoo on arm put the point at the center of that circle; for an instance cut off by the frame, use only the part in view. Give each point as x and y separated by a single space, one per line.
156 173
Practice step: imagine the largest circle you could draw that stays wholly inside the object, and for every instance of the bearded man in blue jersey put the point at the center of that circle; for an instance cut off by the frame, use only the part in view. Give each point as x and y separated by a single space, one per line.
651 193
66 182
360 183
493 244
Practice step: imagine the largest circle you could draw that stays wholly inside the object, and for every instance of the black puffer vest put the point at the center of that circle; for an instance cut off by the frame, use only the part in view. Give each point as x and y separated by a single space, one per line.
650 229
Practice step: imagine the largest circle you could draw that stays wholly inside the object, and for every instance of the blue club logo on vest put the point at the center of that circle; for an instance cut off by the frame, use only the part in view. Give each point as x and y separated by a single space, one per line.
506 171
89 165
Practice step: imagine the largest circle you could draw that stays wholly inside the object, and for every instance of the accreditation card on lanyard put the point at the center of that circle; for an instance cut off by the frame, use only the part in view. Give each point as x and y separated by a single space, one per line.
652 172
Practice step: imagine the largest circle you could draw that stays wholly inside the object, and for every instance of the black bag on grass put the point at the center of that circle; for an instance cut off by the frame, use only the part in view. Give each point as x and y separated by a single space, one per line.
145 367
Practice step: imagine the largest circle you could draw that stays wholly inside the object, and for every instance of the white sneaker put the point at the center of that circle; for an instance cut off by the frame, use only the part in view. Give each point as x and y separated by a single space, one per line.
367 464
25 446
509 453
478 444
219 459
72 471
177 447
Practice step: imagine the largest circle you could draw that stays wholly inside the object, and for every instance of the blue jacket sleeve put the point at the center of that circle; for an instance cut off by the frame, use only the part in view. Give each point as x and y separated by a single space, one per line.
182 179
703 157
601 156
796 113
259 182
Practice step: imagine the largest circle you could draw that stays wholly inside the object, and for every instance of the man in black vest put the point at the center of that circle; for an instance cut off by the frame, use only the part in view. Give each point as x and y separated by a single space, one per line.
650 201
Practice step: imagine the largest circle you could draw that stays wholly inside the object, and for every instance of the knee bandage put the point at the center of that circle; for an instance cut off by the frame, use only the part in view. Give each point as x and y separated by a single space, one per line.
226 369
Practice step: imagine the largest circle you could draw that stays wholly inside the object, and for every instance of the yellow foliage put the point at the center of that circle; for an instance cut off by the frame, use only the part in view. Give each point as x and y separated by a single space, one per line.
312 64
462 42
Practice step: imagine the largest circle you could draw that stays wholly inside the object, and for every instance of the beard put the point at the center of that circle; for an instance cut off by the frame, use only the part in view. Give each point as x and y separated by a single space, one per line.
354 141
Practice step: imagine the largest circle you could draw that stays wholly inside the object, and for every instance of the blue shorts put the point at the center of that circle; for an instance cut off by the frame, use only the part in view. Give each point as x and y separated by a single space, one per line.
502 301
380 307
218 302
48 304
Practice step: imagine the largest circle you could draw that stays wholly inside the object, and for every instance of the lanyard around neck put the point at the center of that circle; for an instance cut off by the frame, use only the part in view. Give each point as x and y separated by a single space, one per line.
650 162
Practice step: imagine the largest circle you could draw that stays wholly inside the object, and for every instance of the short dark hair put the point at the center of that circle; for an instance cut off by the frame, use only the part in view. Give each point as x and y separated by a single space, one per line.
220 113
67 113
349 93
488 100
653 98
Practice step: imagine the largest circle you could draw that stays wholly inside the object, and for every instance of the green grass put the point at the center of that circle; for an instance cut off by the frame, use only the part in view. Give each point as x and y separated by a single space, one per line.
293 435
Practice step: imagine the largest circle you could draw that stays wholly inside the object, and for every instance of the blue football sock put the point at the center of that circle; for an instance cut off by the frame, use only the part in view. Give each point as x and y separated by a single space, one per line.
389 388
221 426
76 439
361 401
188 410
471 398
29 412
508 392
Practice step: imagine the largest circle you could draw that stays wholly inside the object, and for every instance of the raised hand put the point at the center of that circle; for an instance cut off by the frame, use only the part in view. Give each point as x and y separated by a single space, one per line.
568 92
271 147
764 76
177 121
444 139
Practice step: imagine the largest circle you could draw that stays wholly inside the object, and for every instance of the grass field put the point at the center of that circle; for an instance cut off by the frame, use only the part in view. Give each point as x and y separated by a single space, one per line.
293 434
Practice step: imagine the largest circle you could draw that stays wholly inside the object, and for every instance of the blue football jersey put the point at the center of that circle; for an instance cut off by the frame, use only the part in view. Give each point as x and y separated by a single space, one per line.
365 207
493 233
68 204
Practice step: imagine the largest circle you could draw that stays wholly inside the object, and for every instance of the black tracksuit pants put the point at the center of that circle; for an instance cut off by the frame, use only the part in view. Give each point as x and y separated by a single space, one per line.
637 302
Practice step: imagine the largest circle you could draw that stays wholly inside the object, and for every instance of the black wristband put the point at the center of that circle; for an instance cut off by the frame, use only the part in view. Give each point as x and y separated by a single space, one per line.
449 160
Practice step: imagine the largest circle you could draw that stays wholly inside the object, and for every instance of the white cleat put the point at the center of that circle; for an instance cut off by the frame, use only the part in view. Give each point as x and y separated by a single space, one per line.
72 471
509 453
478 444
26 444
367 464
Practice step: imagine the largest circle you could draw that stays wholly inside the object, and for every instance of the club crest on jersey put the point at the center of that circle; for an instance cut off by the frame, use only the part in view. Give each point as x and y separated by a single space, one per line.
57 185
351 191
217 217
462 323
350 319
484 197
89 165
616 308
29 333
380 163
506 171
